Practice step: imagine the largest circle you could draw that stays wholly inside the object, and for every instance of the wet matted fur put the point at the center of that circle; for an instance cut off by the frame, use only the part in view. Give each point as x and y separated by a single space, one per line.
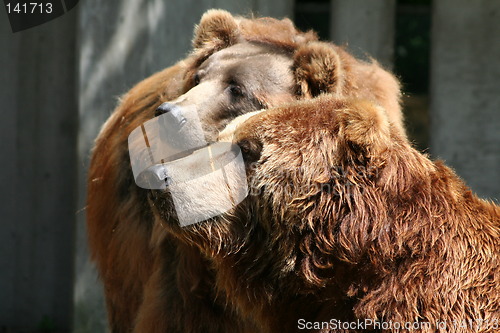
348 223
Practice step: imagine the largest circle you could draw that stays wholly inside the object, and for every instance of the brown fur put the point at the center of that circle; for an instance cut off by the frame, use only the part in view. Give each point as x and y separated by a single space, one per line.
155 280
347 221
326 68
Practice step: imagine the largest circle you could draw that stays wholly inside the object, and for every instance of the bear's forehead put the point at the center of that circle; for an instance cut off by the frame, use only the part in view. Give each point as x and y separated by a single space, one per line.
239 51
245 53
249 63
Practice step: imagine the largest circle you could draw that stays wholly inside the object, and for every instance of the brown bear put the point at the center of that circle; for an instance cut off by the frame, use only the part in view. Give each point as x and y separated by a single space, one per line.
154 279
350 229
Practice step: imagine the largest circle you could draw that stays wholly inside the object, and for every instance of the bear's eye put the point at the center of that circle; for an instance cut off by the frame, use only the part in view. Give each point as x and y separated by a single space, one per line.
196 79
235 90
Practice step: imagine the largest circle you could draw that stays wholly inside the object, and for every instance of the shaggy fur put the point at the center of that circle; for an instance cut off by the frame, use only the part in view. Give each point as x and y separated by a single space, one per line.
155 279
348 222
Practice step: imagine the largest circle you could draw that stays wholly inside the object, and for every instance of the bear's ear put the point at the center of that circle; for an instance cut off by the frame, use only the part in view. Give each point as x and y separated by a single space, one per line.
217 30
366 125
318 69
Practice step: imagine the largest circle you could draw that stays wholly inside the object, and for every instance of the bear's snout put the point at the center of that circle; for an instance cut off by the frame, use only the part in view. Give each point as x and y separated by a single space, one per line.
175 111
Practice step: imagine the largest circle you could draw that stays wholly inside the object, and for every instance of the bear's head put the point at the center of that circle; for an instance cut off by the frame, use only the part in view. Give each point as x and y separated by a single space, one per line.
311 165
240 65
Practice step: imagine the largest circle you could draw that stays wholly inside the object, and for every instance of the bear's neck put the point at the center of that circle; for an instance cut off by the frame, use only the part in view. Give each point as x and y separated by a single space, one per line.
275 298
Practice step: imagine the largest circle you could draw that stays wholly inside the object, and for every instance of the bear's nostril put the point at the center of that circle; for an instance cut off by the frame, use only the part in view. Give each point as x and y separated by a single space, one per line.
164 108
174 115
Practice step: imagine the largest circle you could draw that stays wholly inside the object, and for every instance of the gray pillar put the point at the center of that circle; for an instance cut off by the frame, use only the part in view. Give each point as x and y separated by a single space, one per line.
38 174
122 42
366 27
465 91
277 9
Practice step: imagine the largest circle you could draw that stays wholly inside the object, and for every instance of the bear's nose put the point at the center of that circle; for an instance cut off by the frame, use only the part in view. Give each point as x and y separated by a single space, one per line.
164 108
175 112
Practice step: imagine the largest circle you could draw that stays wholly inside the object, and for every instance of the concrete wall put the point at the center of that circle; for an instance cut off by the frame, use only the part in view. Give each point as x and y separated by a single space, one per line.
465 91
366 27
122 42
37 174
